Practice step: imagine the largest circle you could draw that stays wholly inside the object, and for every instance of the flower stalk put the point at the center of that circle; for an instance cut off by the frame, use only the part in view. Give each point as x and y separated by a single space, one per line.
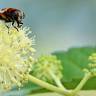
86 77
57 80
48 86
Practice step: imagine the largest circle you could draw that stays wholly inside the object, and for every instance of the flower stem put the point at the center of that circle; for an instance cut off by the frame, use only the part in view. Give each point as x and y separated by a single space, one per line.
48 86
57 80
82 82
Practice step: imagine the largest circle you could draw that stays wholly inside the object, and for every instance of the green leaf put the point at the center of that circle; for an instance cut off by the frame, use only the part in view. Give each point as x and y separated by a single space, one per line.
74 61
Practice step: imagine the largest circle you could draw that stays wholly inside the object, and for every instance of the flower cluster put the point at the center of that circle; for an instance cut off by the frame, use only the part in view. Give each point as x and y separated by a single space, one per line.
92 65
16 56
47 68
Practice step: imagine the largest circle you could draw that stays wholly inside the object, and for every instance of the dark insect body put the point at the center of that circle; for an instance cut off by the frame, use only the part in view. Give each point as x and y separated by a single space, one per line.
12 15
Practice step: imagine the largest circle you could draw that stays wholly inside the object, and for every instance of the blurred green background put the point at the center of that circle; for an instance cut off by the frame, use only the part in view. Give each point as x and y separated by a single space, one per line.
58 24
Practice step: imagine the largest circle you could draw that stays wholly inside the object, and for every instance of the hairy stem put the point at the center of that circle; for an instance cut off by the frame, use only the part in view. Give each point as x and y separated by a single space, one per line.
48 86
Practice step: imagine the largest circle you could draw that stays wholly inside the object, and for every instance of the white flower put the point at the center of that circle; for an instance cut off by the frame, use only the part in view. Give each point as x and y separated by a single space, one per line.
16 56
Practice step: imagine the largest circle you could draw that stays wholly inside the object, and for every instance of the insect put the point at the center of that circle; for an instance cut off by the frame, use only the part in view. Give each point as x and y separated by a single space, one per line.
12 15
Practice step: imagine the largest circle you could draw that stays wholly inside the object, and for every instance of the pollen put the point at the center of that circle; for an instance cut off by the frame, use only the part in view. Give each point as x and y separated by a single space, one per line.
16 56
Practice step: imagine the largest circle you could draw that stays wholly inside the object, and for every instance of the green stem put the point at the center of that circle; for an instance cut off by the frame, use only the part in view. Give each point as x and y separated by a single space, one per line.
48 86
57 80
82 83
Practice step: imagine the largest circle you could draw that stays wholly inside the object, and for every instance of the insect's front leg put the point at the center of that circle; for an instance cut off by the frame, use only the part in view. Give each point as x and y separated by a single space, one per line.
19 23
14 25
7 27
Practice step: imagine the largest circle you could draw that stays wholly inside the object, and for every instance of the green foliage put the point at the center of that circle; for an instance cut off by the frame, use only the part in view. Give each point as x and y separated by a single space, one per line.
74 61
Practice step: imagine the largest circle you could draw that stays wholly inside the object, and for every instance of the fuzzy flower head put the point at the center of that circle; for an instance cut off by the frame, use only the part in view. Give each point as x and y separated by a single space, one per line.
16 56
92 65
47 67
